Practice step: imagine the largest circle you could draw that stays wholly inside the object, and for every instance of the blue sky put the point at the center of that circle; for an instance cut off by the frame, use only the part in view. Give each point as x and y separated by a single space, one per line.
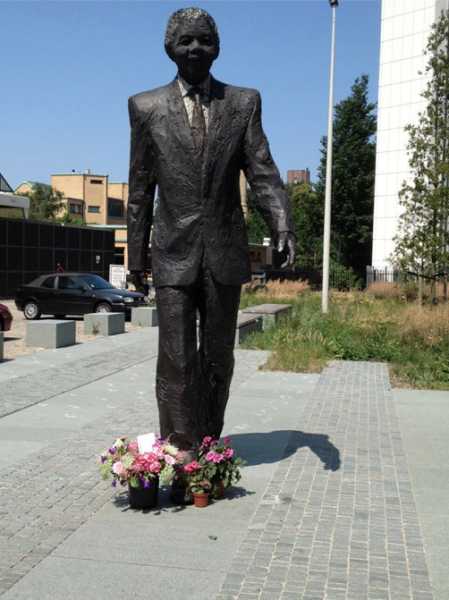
67 69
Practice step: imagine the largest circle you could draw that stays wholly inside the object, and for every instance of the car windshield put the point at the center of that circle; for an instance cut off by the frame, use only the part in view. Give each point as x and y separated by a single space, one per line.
96 282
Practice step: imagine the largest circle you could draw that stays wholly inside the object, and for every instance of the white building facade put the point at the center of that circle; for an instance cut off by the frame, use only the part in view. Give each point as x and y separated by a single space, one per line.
405 28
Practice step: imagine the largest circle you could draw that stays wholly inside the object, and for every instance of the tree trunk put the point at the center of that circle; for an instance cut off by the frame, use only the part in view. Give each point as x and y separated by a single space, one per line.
420 290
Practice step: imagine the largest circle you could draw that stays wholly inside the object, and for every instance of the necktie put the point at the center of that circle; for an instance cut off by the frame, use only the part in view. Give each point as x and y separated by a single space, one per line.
198 122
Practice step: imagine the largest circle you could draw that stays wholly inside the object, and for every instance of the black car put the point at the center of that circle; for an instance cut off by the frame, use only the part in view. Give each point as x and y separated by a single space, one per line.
63 294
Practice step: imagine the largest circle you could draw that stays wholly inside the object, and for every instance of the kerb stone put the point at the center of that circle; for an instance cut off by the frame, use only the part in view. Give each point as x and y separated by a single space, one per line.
246 324
50 333
143 316
104 323
270 313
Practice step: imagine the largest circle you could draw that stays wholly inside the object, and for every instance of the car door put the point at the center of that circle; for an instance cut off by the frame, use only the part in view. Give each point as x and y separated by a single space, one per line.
45 295
68 296
86 299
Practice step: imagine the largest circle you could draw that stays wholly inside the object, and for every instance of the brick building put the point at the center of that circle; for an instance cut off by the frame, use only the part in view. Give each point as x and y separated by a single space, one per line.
298 176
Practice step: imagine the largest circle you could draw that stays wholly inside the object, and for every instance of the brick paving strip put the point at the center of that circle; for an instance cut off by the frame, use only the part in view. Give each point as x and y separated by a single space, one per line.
20 392
338 519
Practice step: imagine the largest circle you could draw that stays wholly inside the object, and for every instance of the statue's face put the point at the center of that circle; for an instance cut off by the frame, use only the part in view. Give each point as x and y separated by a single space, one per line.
194 50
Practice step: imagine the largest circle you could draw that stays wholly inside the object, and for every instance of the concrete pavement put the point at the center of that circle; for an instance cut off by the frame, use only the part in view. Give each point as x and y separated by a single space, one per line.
337 500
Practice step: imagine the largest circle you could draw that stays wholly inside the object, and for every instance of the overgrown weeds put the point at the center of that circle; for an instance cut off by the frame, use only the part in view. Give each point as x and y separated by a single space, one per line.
414 340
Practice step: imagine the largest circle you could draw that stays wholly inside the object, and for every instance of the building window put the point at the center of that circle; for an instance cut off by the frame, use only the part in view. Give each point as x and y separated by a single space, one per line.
115 208
119 256
93 209
97 181
75 209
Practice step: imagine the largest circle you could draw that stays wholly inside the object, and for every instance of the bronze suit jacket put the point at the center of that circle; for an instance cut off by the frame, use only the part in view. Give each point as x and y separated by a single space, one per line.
198 212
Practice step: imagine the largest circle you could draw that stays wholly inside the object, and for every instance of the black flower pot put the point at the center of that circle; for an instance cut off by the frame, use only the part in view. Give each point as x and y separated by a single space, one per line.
141 497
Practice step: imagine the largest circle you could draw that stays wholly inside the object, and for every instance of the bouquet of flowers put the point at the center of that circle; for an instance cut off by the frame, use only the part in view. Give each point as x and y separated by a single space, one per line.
139 470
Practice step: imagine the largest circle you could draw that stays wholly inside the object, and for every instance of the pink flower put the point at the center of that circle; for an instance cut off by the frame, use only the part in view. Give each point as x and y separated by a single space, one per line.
226 440
170 460
207 441
155 467
119 469
191 467
133 447
228 453
214 457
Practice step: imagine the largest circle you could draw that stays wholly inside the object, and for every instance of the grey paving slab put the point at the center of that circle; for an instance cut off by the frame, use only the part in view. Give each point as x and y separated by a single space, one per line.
70 371
50 359
424 423
72 579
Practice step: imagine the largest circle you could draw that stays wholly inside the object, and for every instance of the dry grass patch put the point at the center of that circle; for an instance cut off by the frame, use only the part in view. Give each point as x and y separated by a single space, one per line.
385 290
286 290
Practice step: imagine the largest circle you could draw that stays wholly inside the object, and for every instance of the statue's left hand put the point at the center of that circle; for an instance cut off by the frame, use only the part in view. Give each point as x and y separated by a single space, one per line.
286 243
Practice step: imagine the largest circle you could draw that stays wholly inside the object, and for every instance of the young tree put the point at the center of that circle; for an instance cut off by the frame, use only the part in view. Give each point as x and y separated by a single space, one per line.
421 245
45 203
353 171
308 217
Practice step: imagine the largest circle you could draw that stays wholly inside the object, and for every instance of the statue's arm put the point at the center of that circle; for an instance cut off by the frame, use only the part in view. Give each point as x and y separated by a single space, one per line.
263 177
142 186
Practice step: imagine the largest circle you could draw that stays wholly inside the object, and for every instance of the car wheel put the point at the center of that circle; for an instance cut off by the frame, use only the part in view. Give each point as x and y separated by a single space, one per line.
103 307
31 310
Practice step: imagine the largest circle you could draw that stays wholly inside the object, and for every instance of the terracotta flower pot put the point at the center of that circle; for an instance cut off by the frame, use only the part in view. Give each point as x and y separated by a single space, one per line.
144 498
200 500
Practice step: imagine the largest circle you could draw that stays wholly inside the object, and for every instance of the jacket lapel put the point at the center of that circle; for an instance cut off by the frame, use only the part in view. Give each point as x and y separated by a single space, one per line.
178 117
216 116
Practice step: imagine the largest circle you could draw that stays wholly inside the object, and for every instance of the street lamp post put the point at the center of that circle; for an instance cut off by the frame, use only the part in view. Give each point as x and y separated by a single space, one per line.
328 192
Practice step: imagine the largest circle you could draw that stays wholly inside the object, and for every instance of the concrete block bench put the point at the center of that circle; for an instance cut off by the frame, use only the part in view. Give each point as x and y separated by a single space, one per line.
270 313
246 324
50 333
1 345
144 316
104 323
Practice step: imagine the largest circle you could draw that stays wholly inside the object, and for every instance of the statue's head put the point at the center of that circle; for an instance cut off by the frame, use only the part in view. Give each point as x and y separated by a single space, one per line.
192 42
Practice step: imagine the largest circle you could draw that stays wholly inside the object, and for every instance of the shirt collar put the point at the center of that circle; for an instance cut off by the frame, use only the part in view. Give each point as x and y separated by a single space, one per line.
185 87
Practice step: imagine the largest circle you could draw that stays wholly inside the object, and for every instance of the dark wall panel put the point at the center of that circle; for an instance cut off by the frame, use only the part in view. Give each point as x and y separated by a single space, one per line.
31 248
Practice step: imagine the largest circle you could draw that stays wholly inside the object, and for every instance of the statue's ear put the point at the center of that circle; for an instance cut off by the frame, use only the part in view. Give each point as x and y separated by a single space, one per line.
169 52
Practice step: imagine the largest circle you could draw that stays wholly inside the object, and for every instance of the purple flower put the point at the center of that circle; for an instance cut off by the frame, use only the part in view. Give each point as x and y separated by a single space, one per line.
103 458
114 482
112 450
146 483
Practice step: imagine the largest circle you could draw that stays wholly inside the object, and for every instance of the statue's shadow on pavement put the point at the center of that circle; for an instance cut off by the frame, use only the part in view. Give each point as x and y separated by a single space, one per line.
273 446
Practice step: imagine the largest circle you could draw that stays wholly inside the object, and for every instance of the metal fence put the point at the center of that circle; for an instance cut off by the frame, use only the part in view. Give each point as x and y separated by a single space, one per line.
385 275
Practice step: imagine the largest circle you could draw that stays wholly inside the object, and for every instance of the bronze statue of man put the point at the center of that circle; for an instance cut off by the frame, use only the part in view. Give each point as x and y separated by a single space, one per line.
191 138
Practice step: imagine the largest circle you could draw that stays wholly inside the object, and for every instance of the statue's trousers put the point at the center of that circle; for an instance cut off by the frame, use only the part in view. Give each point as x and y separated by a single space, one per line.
195 364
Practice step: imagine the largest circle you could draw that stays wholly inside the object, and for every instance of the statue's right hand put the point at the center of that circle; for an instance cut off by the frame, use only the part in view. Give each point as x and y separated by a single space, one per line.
137 279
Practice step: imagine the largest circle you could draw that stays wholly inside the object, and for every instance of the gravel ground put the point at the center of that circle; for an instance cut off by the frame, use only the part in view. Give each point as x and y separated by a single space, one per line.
15 338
